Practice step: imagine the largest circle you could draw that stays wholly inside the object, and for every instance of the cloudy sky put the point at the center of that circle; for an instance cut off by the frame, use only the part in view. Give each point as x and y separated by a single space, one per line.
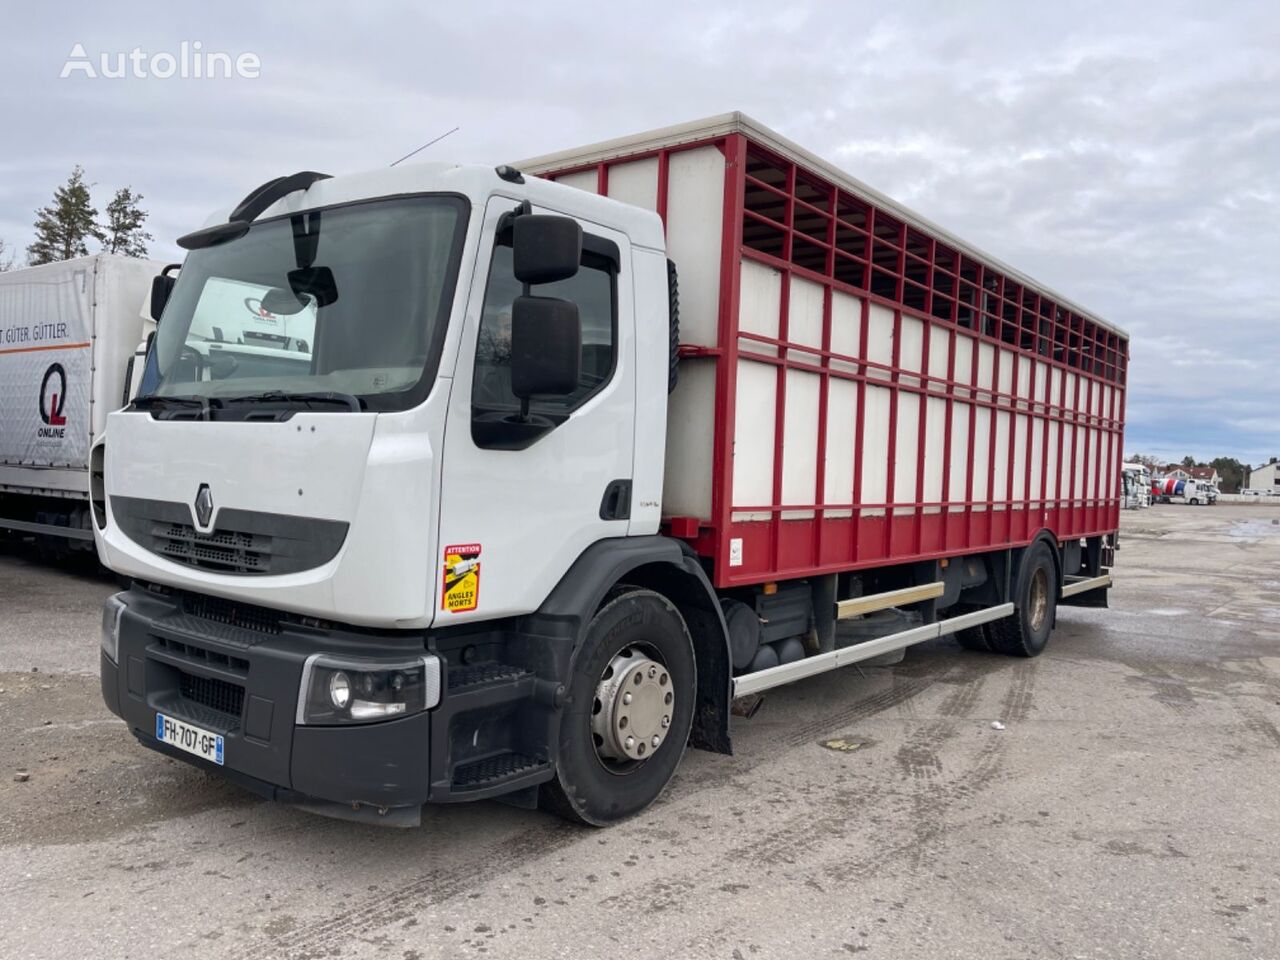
1126 154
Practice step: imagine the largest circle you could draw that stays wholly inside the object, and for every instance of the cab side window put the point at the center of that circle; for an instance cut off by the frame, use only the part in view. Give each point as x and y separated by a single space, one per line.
593 289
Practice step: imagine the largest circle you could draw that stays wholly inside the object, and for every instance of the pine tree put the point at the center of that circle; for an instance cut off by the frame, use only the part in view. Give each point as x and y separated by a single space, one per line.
63 229
123 229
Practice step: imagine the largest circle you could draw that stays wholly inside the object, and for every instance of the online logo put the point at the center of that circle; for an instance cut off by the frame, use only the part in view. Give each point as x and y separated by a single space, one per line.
53 398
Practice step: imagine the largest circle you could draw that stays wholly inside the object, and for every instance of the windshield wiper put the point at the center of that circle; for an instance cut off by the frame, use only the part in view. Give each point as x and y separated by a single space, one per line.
352 403
156 401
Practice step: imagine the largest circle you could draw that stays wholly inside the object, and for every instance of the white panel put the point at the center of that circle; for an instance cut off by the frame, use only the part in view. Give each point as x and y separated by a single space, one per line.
1052 473
964 362
1042 381
875 447
759 305
846 329
1069 402
800 451
842 419
695 222
986 363
753 437
939 348
911 350
1037 459
1095 454
907 457
1024 381
1000 482
1020 457
960 413
1082 459
804 319
981 450
584 180
880 338
1006 371
635 182
1055 388
686 485
935 434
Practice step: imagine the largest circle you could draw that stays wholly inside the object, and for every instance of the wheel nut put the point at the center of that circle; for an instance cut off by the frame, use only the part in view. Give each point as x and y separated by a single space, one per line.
666 722
656 740
631 742
653 672
626 699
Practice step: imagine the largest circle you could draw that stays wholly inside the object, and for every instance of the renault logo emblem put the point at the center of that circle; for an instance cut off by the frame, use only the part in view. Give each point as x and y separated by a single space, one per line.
204 505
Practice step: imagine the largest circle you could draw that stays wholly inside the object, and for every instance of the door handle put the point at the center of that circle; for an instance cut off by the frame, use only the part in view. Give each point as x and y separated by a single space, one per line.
616 503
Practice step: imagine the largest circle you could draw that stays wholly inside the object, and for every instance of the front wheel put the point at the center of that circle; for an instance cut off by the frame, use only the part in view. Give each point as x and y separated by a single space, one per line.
1026 633
628 713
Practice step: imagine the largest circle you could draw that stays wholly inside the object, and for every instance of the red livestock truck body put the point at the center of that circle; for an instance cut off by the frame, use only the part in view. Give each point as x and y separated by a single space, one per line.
858 387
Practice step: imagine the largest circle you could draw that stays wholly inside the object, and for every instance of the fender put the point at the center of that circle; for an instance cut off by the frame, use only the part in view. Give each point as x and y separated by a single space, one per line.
551 637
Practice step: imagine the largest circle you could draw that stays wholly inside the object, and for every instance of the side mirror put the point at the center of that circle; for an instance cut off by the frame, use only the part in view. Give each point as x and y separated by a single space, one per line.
545 248
161 288
546 347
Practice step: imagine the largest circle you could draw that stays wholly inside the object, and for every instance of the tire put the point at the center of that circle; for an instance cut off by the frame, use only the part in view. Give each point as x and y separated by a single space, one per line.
1026 633
595 789
974 638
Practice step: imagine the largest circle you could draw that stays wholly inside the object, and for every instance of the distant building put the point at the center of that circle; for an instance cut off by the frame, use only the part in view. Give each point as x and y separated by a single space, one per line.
1265 477
1207 474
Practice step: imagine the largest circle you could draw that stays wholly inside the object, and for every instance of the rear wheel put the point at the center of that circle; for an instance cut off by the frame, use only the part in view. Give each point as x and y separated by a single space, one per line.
628 713
1026 633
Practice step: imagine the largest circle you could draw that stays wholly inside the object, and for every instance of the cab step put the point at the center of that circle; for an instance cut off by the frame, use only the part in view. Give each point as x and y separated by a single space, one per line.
483 674
497 770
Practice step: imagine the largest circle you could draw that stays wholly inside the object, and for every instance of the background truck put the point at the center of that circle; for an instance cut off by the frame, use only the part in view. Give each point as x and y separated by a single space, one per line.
575 461
1137 486
69 336
1177 490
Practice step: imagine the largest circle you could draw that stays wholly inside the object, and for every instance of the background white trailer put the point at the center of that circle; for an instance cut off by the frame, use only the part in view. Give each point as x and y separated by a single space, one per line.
69 336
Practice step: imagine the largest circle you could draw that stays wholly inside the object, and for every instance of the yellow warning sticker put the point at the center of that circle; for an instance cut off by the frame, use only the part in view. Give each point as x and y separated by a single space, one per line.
460 584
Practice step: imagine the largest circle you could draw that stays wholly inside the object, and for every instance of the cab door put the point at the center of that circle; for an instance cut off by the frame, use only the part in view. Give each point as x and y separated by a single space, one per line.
514 515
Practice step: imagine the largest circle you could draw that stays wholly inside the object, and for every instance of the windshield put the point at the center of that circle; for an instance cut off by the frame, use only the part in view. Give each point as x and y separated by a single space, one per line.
346 302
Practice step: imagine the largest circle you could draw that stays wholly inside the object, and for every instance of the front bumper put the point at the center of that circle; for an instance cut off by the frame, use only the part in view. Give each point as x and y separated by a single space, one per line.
241 679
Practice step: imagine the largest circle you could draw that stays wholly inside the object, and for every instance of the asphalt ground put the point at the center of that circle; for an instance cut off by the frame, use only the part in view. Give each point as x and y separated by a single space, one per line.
1130 807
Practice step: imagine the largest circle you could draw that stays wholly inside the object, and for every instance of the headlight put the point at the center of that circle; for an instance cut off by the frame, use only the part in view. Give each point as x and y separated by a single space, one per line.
111 611
342 690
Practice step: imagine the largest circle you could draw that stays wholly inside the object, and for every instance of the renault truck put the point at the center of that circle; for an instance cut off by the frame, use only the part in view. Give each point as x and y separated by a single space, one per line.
552 464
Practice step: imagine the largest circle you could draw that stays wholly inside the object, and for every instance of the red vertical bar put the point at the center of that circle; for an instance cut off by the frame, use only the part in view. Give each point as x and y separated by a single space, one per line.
855 518
1031 521
664 183
946 427
784 352
895 365
602 179
734 148
921 456
824 382
1013 443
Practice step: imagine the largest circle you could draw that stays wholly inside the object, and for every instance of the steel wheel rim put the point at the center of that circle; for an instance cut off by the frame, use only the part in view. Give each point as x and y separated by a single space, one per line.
1039 599
633 709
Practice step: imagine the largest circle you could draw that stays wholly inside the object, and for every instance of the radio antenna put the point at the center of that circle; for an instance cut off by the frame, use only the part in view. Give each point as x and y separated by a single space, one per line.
427 144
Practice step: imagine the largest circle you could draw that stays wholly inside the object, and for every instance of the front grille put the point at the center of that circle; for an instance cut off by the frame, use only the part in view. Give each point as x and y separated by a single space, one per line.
232 614
199 654
217 695
223 551
244 542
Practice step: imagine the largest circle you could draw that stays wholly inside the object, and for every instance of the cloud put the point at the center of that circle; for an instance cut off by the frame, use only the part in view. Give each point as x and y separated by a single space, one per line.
1126 154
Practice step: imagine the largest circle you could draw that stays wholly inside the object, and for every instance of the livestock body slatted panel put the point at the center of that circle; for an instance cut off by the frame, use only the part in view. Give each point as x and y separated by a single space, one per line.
866 388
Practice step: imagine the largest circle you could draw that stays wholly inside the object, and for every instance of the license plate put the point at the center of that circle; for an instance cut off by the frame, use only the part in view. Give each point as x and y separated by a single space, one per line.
180 734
